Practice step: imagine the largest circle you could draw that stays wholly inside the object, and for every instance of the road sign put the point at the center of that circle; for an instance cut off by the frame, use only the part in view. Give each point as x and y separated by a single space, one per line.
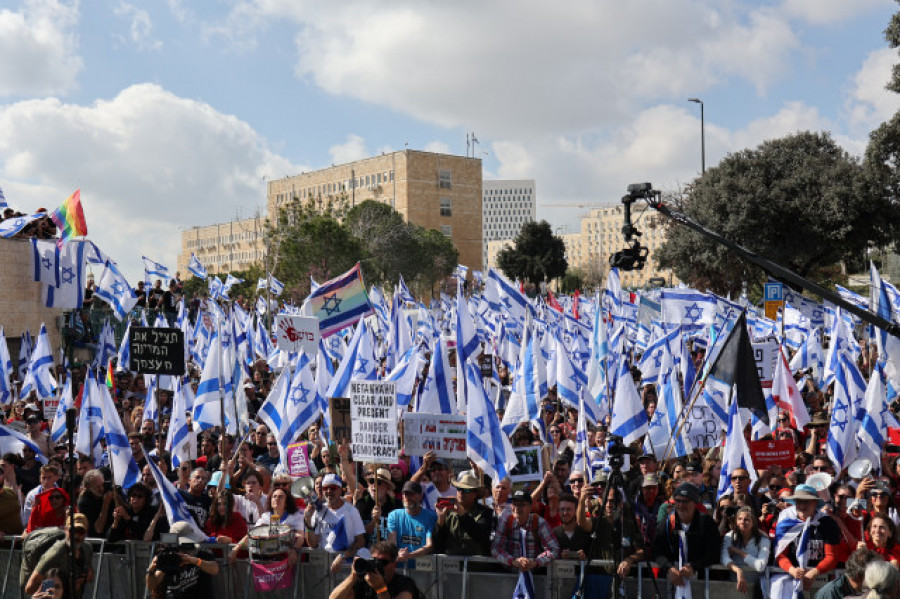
156 350
773 292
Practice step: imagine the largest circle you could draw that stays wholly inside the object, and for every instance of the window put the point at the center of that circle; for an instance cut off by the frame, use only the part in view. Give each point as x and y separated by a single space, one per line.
392 176
446 207
444 179
447 230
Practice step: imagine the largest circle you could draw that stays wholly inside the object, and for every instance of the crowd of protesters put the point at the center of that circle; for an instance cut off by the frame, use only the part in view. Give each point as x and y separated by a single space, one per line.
664 512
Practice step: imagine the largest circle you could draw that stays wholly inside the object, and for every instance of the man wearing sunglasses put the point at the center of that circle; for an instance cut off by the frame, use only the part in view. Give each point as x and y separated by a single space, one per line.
377 578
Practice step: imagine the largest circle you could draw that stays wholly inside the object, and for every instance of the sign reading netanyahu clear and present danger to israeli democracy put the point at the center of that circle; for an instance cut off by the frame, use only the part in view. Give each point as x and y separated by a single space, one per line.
373 413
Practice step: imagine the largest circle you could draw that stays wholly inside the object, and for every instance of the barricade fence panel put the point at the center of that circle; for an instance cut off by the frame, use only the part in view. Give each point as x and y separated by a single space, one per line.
121 569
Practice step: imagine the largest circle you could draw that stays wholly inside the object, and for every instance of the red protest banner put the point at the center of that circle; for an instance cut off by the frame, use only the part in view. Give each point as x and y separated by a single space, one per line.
772 453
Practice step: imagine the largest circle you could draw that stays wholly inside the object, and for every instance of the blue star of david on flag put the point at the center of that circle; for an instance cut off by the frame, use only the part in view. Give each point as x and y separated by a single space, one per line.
840 408
118 288
332 304
46 263
693 313
658 417
361 364
299 394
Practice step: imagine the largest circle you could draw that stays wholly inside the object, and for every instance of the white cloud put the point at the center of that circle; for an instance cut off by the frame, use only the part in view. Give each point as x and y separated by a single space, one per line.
545 71
438 147
352 149
144 160
870 103
38 48
140 31
830 11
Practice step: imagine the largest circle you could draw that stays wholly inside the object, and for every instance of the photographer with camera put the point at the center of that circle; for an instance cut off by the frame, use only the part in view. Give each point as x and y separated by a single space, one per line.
58 557
377 577
181 570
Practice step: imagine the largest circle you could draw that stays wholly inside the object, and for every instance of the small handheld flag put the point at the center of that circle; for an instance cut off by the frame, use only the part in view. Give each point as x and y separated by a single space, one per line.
69 217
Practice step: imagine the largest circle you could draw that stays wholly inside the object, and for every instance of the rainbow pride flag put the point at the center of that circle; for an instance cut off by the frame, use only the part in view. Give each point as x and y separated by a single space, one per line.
340 302
69 217
111 379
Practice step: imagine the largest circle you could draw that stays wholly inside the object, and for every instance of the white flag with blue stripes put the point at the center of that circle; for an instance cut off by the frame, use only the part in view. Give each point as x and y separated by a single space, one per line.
66 401
114 289
846 412
486 444
125 469
302 409
12 441
153 268
39 377
736 453
181 441
207 403
6 370
629 420
872 433
174 504
437 395
196 267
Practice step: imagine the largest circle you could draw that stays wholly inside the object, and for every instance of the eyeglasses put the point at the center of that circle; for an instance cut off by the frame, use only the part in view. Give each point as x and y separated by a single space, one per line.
820 468
740 477
572 481
842 497
271 443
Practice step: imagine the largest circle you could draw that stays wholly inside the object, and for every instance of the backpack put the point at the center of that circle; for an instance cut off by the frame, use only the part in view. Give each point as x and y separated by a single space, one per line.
532 524
37 543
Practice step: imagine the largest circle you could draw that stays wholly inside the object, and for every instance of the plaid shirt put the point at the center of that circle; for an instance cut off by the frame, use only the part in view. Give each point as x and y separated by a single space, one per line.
507 545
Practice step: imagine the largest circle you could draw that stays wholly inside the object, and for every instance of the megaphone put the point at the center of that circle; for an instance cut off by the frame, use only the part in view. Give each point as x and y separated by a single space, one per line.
304 488
860 469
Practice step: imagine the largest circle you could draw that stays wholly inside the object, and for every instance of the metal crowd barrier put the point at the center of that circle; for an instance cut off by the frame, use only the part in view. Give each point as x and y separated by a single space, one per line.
120 570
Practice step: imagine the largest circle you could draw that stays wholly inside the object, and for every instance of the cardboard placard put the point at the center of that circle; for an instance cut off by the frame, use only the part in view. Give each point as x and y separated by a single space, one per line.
156 350
339 412
702 427
443 434
373 414
772 453
50 407
298 459
293 333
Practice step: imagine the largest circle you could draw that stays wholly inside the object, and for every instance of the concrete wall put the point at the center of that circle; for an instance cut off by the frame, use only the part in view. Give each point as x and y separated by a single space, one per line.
20 298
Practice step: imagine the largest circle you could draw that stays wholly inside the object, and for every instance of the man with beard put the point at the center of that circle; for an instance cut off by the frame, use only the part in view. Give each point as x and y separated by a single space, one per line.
464 526
574 542
58 557
411 527
646 507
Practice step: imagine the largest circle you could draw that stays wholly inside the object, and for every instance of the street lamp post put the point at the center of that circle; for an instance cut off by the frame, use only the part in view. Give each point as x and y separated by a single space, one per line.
702 135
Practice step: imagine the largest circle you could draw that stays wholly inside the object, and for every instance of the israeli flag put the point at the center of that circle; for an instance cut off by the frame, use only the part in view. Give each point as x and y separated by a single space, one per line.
275 405
123 360
114 289
570 384
230 281
582 460
302 409
207 404
736 453
437 395
341 380
12 441
3 203
405 295
276 287
872 433
173 502
196 267
69 294
6 370
687 308
629 420
849 400
90 421
154 269
405 374
66 401
13 226
125 469
26 346
39 377
45 261
486 443
181 441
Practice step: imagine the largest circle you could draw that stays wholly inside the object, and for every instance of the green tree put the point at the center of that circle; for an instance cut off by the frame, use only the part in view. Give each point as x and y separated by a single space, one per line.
435 260
391 244
538 255
800 201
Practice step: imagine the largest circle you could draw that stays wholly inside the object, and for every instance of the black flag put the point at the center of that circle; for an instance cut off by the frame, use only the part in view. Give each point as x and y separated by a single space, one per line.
735 365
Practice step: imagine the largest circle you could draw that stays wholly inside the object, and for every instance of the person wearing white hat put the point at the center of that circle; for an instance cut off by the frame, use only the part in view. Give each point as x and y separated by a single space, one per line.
321 522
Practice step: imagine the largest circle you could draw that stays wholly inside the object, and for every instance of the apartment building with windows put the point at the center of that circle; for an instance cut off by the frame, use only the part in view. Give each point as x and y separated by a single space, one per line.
506 206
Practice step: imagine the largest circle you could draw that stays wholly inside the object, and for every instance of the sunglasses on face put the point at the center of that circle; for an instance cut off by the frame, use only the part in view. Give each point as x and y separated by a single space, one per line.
820 468
740 477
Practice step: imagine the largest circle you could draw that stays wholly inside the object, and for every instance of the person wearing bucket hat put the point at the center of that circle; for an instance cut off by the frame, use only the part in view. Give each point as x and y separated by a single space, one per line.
377 503
822 535
464 527
686 525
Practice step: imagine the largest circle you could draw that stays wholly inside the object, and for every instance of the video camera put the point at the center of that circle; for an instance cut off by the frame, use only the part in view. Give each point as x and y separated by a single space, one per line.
617 450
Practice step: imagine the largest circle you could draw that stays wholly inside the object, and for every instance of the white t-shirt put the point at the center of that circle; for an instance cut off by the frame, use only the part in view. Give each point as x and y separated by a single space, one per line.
324 520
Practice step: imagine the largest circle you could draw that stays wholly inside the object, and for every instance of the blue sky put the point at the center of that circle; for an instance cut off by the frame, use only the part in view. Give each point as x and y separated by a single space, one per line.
170 114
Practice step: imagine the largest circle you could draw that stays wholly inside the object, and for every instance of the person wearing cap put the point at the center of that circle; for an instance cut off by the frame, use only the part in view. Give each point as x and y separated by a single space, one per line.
822 535
647 464
464 528
377 503
686 525
49 479
58 556
439 473
37 436
646 507
411 528
541 547
320 522
384 582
